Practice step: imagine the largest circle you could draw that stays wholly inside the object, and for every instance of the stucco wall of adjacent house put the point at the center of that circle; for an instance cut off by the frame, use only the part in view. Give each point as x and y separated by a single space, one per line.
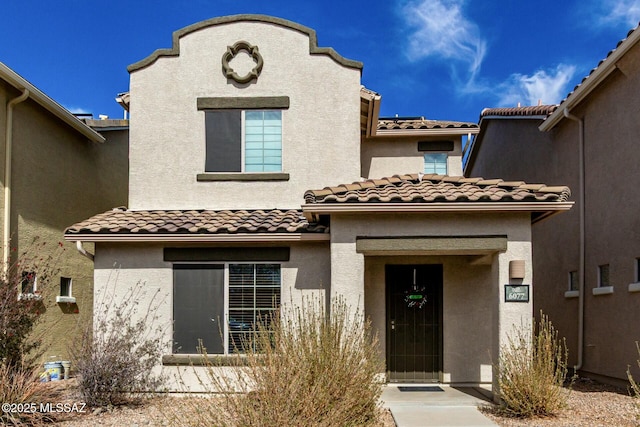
476 319
59 178
388 156
612 224
321 134
120 267
504 146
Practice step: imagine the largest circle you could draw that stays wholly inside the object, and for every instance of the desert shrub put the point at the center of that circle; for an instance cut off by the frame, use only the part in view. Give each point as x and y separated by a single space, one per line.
116 357
532 371
635 387
21 385
301 367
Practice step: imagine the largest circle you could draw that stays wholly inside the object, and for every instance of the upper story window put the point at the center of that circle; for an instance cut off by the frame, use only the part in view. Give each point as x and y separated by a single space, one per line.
435 163
603 276
573 281
243 141
243 138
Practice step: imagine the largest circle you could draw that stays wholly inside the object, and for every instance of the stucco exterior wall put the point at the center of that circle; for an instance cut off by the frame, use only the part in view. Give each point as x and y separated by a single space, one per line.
551 159
321 134
612 224
476 319
59 178
306 275
388 156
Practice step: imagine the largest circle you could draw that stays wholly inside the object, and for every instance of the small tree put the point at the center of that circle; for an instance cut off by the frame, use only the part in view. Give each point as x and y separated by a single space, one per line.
117 357
635 387
532 371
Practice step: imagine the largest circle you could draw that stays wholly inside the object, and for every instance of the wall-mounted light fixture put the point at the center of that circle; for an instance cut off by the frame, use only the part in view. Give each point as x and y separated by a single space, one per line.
516 269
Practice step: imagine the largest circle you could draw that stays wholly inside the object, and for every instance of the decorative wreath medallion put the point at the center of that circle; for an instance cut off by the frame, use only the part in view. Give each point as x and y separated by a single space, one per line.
416 297
231 53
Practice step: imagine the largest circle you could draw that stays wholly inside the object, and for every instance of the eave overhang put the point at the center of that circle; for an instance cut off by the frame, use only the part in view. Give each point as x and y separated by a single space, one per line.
202 238
539 210
18 82
592 81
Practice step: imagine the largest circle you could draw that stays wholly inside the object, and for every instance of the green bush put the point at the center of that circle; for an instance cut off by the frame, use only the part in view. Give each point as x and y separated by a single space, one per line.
302 367
532 371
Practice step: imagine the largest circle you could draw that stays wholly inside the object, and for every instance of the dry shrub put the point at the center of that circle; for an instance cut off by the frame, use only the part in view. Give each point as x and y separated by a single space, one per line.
635 387
21 385
116 358
533 368
302 367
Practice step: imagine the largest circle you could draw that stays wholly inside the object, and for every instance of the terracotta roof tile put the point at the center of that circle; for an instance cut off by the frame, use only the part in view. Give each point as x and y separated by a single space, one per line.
431 188
197 222
535 110
420 123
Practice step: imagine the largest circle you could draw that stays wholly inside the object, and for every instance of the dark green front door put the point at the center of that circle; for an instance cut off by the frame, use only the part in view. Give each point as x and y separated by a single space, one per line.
414 322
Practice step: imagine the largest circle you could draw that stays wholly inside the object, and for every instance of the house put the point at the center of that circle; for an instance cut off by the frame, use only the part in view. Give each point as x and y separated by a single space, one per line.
56 170
587 262
260 170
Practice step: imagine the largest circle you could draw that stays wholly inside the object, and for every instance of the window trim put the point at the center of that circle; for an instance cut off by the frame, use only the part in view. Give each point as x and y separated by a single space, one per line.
600 289
570 292
35 294
446 162
244 104
635 286
176 358
69 298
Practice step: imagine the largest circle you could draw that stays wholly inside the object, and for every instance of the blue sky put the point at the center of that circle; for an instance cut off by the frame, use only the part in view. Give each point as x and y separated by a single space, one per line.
442 59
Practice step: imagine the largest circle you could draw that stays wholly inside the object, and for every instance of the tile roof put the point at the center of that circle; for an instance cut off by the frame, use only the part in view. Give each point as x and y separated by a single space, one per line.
120 221
421 123
611 52
418 188
534 110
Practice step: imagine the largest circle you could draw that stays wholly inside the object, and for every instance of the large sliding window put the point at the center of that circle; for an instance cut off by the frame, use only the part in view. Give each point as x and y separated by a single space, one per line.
221 303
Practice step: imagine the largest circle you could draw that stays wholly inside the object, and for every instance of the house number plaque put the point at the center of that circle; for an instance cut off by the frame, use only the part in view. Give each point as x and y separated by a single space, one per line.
516 293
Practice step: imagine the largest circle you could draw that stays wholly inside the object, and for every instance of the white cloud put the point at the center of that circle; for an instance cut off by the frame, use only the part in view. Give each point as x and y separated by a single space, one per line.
441 30
547 86
615 12
77 110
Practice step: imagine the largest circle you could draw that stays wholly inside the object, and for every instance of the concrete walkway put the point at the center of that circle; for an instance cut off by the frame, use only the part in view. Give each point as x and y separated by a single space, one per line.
453 406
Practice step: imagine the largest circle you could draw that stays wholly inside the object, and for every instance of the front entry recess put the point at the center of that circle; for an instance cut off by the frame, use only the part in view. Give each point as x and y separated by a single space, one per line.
414 322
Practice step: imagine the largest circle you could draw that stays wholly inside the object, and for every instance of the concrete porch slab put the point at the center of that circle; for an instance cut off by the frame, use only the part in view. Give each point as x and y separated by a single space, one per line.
453 406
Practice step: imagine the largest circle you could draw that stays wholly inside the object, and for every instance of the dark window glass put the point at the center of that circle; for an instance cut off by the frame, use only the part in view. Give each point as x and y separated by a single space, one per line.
65 286
198 308
224 141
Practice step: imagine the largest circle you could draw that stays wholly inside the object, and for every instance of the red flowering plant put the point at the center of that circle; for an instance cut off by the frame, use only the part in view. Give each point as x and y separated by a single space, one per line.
22 286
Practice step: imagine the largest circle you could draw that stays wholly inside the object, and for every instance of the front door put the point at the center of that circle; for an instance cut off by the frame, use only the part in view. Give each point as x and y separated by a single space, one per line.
414 322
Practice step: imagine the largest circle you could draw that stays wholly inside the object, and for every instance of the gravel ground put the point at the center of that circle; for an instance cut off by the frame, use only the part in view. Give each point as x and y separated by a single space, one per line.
590 404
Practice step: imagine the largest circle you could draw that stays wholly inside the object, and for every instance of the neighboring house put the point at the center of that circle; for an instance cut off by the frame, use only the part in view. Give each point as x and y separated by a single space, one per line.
55 170
236 132
587 262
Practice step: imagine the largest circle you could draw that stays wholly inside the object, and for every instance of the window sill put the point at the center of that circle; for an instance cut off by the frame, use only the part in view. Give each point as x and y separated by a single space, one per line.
634 287
572 294
604 290
243 176
200 360
70 300
29 297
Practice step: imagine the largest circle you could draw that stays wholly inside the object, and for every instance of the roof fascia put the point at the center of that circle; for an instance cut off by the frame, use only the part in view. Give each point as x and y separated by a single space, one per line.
314 210
440 131
15 80
591 82
258 237
313 40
